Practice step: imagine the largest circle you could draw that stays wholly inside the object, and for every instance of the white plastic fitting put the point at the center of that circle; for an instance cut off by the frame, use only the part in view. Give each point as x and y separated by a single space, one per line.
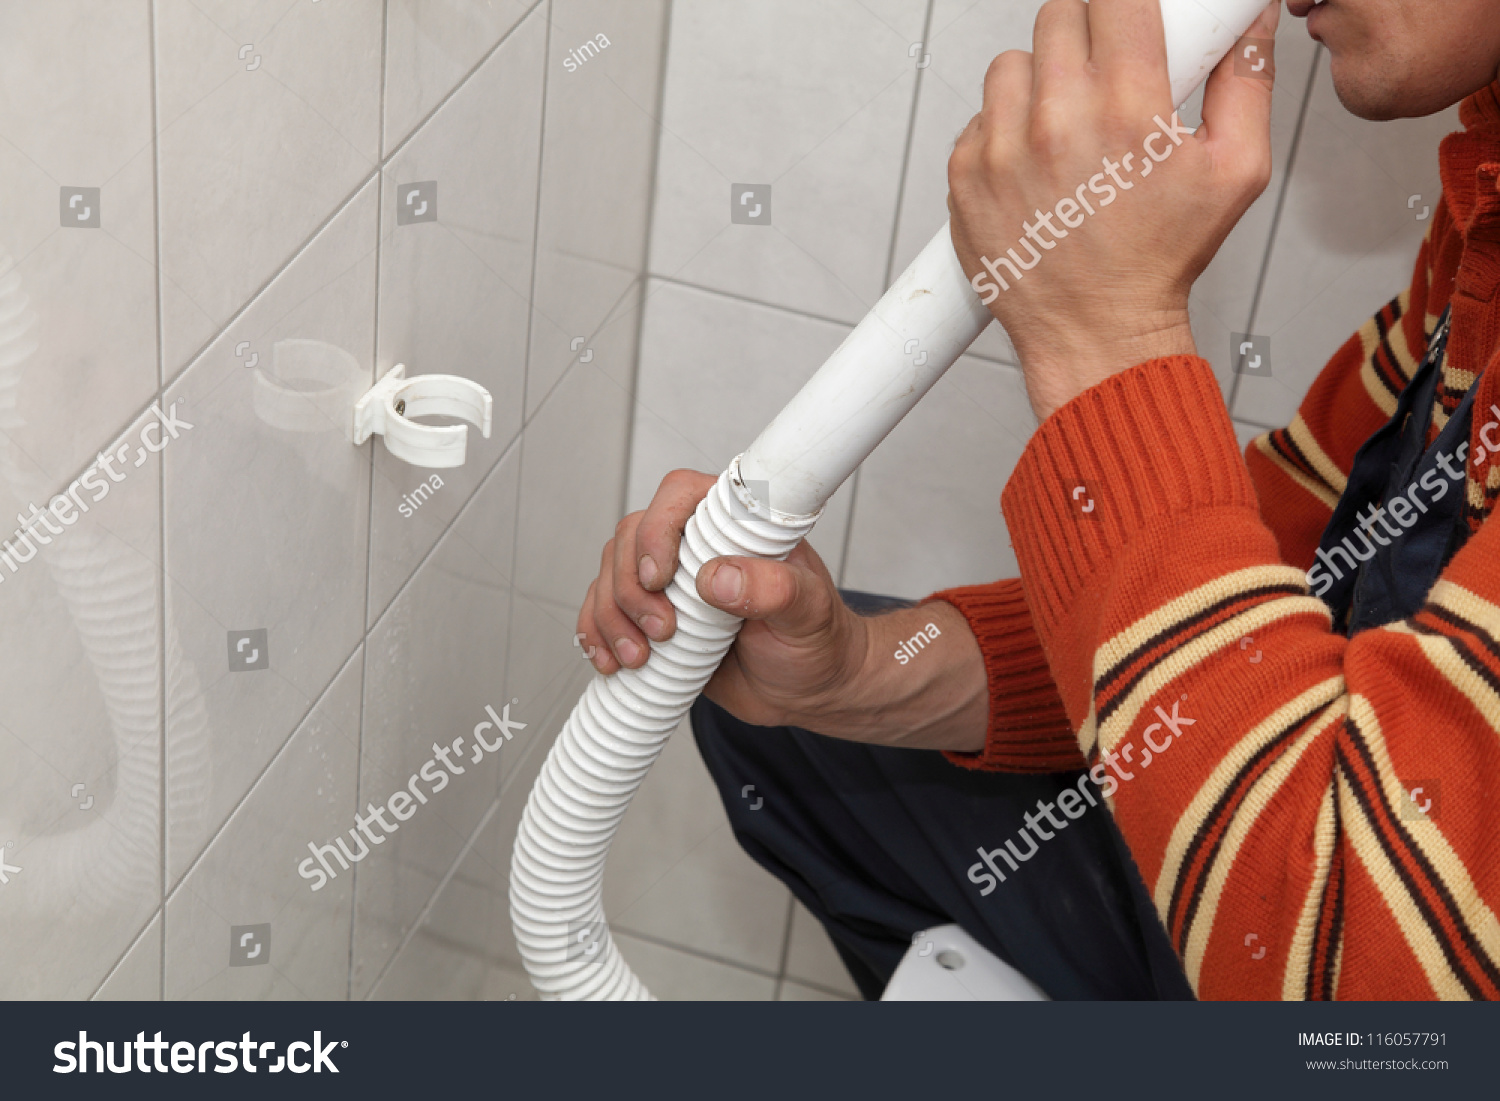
922 324
385 407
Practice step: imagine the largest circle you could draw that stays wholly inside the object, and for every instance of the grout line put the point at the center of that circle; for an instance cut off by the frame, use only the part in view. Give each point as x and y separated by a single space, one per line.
747 300
786 930
633 388
536 210
161 521
364 652
462 83
139 938
519 441
1286 187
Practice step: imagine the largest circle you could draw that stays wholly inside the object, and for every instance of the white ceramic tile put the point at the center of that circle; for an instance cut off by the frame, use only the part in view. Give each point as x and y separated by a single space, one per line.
453 292
436 658
678 976
137 977
811 956
572 479
547 670
965 38
465 930
429 47
90 292
812 99
1346 243
80 733
713 372
927 507
251 874
267 521
253 160
677 874
572 474
598 156
429 968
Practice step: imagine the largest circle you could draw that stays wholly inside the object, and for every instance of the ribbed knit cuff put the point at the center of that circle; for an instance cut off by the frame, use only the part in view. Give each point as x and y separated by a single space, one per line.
1138 450
1028 730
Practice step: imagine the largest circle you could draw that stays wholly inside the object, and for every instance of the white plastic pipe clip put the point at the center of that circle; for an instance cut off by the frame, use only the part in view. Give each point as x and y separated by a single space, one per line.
386 406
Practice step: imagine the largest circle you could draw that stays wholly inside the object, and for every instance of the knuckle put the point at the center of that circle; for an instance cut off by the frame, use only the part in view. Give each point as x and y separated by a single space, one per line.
996 158
681 478
1051 126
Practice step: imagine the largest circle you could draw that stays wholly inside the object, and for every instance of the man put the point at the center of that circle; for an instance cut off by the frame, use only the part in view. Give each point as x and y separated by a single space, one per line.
1308 815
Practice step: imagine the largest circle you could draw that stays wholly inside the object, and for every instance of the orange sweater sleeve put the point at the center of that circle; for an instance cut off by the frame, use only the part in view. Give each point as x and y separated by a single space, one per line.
1028 728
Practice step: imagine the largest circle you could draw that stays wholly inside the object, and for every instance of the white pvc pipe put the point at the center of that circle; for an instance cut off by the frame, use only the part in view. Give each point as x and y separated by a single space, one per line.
763 505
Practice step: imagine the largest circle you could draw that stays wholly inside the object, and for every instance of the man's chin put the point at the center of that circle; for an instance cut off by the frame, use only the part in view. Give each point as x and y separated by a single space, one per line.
1359 101
1374 96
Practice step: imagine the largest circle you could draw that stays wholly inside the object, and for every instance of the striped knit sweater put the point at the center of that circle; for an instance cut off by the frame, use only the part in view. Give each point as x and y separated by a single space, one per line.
1279 830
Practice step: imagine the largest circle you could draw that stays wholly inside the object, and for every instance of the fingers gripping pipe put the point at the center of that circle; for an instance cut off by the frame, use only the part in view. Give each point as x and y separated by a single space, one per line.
923 323
605 750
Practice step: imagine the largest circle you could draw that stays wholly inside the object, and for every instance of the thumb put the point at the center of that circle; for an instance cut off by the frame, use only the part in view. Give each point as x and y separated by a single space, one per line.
790 598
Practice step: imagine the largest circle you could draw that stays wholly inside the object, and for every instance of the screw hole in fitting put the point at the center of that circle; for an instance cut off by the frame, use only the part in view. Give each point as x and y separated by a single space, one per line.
950 960
401 407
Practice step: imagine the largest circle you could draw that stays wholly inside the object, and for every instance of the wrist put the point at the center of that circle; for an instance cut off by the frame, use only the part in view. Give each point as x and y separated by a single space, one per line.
1059 370
844 705
936 698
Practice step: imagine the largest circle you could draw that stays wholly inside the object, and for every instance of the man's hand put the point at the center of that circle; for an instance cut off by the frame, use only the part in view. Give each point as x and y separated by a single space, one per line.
802 658
792 661
1077 175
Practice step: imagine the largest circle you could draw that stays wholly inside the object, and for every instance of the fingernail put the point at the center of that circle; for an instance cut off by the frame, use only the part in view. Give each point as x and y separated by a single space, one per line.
627 651
728 582
647 571
653 625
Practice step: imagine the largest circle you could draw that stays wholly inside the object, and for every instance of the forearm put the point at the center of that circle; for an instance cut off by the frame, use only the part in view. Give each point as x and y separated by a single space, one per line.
921 685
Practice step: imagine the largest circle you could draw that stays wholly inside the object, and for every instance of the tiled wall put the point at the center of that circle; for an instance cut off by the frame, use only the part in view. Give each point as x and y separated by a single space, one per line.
248 269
